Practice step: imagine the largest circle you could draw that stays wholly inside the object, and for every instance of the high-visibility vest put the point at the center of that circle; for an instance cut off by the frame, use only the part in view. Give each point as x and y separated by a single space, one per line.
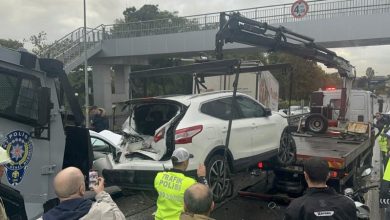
386 175
171 187
382 142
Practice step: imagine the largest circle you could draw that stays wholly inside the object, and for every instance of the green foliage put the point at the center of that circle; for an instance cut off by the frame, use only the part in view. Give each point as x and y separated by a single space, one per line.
76 79
12 44
146 13
307 76
156 22
39 43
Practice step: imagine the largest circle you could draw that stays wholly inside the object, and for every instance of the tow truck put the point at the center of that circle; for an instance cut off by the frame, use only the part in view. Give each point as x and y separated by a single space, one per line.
346 140
34 131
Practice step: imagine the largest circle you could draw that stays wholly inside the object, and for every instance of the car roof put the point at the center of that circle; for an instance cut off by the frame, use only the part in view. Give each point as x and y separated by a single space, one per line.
186 99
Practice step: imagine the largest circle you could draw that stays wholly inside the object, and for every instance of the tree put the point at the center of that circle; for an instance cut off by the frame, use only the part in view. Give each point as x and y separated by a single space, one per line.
12 44
163 22
39 43
146 13
307 76
76 79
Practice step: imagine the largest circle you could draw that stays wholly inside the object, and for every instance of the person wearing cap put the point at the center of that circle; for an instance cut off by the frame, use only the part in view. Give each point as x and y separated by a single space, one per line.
171 185
319 200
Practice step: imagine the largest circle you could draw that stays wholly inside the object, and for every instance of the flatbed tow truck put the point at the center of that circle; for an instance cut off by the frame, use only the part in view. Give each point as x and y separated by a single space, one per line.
348 146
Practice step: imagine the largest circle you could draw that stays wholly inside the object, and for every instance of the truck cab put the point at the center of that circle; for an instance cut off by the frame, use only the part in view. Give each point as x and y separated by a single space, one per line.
362 105
32 129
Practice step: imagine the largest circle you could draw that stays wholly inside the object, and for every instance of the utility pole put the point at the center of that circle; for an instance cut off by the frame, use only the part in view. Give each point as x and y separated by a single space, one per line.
86 69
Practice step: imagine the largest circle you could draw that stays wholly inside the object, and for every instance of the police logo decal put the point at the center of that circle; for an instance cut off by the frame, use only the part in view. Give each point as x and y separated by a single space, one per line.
19 148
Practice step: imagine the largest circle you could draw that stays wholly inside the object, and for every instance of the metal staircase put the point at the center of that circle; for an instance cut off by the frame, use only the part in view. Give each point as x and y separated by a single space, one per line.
70 48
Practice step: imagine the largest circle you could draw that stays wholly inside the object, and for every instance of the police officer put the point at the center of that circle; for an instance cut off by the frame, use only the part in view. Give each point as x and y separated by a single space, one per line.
384 193
320 201
384 142
172 184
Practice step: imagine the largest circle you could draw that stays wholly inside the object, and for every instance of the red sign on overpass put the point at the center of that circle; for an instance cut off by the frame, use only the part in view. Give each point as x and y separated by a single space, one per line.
299 9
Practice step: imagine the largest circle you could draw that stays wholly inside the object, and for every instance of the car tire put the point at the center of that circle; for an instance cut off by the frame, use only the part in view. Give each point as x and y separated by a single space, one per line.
316 123
287 152
218 177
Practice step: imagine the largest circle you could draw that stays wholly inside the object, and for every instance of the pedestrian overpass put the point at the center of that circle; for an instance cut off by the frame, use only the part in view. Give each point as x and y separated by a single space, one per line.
331 23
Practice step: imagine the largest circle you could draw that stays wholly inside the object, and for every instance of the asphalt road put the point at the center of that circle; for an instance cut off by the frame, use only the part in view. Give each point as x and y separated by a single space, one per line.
137 205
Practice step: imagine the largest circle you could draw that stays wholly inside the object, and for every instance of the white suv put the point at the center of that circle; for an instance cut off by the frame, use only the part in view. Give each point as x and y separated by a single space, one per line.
198 123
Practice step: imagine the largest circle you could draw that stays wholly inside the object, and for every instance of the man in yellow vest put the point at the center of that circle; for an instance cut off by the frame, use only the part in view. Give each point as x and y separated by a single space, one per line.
384 193
172 184
384 146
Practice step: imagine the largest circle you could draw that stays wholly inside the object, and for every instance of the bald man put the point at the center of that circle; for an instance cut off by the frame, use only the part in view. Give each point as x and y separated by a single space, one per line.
198 203
69 186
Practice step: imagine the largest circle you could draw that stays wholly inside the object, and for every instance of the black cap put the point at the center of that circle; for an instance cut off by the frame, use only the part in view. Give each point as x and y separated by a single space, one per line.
317 169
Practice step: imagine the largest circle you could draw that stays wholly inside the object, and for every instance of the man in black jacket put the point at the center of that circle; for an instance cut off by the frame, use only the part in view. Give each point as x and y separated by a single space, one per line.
320 201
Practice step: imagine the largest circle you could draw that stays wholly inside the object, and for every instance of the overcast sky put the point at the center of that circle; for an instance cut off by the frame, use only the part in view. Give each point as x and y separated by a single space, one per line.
23 18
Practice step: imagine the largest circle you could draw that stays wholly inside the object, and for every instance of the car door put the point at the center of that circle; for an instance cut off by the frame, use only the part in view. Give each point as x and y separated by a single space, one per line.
263 132
240 140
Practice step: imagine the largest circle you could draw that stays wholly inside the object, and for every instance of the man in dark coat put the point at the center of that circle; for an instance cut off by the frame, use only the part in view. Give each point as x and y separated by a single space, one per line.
99 120
320 201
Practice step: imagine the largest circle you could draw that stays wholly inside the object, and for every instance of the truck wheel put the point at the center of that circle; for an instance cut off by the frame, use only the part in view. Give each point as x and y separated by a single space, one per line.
287 152
218 177
316 123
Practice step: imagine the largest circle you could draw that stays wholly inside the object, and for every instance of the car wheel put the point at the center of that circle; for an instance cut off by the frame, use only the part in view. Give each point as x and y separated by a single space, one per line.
287 151
218 177
316 123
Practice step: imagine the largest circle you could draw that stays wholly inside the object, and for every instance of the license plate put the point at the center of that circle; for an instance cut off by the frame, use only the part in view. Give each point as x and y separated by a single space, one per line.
295 168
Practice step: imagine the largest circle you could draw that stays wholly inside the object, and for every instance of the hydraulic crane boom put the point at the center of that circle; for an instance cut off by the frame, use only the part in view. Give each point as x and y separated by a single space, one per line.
236 28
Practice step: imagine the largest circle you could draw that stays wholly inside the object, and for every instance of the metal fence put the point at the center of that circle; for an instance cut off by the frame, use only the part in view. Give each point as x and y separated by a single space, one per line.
70 47
271 14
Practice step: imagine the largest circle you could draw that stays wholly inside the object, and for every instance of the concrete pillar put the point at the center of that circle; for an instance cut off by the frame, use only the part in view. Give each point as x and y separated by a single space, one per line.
121 82
102 94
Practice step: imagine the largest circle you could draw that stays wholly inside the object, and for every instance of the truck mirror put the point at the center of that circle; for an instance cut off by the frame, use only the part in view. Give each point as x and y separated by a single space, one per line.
44 106
268 112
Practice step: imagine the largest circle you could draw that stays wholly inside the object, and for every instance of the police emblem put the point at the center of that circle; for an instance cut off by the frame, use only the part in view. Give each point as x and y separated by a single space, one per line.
19 148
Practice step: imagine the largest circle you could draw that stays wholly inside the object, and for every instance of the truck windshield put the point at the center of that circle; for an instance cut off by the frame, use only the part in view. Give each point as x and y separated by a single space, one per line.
18 97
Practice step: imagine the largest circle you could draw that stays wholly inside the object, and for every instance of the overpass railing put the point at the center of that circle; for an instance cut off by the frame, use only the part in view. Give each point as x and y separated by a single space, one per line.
70 47
324 9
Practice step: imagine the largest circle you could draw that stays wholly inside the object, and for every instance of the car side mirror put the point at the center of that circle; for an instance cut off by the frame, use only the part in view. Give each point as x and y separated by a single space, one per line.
44 106
366 172
268 112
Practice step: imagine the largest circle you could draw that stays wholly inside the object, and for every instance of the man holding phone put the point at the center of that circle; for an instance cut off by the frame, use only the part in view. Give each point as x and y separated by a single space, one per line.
69 186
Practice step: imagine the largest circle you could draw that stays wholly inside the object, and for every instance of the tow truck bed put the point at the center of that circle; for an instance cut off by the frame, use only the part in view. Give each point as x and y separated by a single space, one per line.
338 152
345 159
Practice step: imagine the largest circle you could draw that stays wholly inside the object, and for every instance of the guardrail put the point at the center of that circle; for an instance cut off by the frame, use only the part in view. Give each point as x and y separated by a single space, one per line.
70 46
271 14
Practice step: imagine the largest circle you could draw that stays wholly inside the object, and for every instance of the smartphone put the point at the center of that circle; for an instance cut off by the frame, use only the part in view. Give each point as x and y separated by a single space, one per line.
93 178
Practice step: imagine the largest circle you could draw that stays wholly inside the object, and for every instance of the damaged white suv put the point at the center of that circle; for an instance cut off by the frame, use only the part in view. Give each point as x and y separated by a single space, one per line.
199 123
